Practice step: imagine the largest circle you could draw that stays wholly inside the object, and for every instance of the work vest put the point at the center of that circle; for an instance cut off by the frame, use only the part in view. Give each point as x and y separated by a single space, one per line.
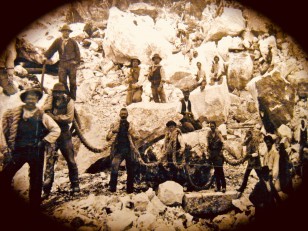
122 137
60 110
156 77
184 106
30 131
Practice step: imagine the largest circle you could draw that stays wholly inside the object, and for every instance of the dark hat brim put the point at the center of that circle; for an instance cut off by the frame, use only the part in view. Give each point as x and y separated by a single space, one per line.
154 57
38 92
131 61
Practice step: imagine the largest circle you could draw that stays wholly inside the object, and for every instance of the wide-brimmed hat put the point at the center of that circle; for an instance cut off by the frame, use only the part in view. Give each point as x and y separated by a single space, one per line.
156 56
170 123
185 90
59 87
37 91
135 58
66 27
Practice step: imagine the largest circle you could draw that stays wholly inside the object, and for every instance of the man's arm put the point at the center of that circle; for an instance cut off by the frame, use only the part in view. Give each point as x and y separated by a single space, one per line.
52 127
163 75
111 132
182 143
52 49
77 59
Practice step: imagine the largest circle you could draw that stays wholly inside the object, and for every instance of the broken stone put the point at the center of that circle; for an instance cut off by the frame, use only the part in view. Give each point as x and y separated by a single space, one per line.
285 131
170 193
146 221
141 202
120 220
156 207
150 193
242 204
209 203
224 222
241 219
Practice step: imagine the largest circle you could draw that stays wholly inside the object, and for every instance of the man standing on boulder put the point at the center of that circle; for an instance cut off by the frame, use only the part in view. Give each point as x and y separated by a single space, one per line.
60 107
214 144
27 131
122 135
157 78
69 56
134 90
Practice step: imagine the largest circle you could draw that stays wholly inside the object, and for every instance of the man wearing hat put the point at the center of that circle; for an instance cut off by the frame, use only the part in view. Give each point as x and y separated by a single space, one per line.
60 107
27 131
173 142
69 56
216 71
157 78
189 124
134 90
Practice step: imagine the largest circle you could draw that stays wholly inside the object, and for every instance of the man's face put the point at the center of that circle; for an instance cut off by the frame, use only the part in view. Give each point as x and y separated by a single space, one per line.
216 59
31 100
123 114
66 33
156 60
186 95
212 127
268 144
57 94
199 65
135 63
171 128
203 84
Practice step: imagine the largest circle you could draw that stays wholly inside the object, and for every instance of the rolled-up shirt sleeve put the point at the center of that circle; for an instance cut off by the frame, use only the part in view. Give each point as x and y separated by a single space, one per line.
52 127
163 74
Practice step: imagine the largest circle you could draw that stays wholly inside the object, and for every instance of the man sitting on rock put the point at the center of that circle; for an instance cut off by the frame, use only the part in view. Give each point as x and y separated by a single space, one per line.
216 72
214 145
121 135
134 90
157 78
200 76
173 149
189 124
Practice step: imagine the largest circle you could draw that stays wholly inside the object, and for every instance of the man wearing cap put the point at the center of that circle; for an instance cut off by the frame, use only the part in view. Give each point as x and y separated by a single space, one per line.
189 124
27 131
121 136
69 56
157 78
7 69
134 90
173 145
60 107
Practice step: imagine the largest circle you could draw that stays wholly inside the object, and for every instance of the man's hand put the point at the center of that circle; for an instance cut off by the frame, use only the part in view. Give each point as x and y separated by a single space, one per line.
254 154
42 143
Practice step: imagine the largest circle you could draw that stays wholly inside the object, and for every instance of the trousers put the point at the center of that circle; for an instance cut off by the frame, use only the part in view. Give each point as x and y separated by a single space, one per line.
67 69
159 95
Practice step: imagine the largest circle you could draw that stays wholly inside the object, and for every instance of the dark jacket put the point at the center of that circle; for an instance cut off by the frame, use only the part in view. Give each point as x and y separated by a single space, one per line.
71 51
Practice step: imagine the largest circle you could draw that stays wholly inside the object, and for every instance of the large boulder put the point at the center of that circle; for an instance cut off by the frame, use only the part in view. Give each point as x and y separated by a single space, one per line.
156 207
214 102
226 43
161 113
230 22
208 203
143 9
127 28
170 193
275 97
255 21
240 71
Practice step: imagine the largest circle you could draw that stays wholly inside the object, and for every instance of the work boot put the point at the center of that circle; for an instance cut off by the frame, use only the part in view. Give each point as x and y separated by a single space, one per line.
45 196
75 187
223 190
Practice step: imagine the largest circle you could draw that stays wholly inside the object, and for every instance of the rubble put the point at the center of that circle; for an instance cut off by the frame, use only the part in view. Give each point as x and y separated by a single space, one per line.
120 220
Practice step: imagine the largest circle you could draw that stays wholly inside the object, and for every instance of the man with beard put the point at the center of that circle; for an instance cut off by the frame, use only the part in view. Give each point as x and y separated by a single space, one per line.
60 107
27 131
122 135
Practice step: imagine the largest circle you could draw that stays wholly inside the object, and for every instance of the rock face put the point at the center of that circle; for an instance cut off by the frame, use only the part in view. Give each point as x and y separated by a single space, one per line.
214 102
170 193
231 22
276 104
240 71
210 203
125 27
143 9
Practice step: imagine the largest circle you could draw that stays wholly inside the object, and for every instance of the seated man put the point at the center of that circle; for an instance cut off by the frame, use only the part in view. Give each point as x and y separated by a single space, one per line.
189 124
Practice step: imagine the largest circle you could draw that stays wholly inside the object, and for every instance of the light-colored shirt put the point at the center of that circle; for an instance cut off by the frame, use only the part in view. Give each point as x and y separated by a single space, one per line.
271 159
200 75
162 71
49 124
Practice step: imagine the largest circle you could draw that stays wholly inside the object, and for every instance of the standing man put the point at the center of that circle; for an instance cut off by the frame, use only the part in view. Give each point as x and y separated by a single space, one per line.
121 134
69 55
29 130
134 90
216 71
214 145
157 78
302 145
252 144
60 107
7 69
189 124
173 145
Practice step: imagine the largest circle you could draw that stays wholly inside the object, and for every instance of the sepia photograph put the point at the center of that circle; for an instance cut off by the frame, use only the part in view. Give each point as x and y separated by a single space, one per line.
152 115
